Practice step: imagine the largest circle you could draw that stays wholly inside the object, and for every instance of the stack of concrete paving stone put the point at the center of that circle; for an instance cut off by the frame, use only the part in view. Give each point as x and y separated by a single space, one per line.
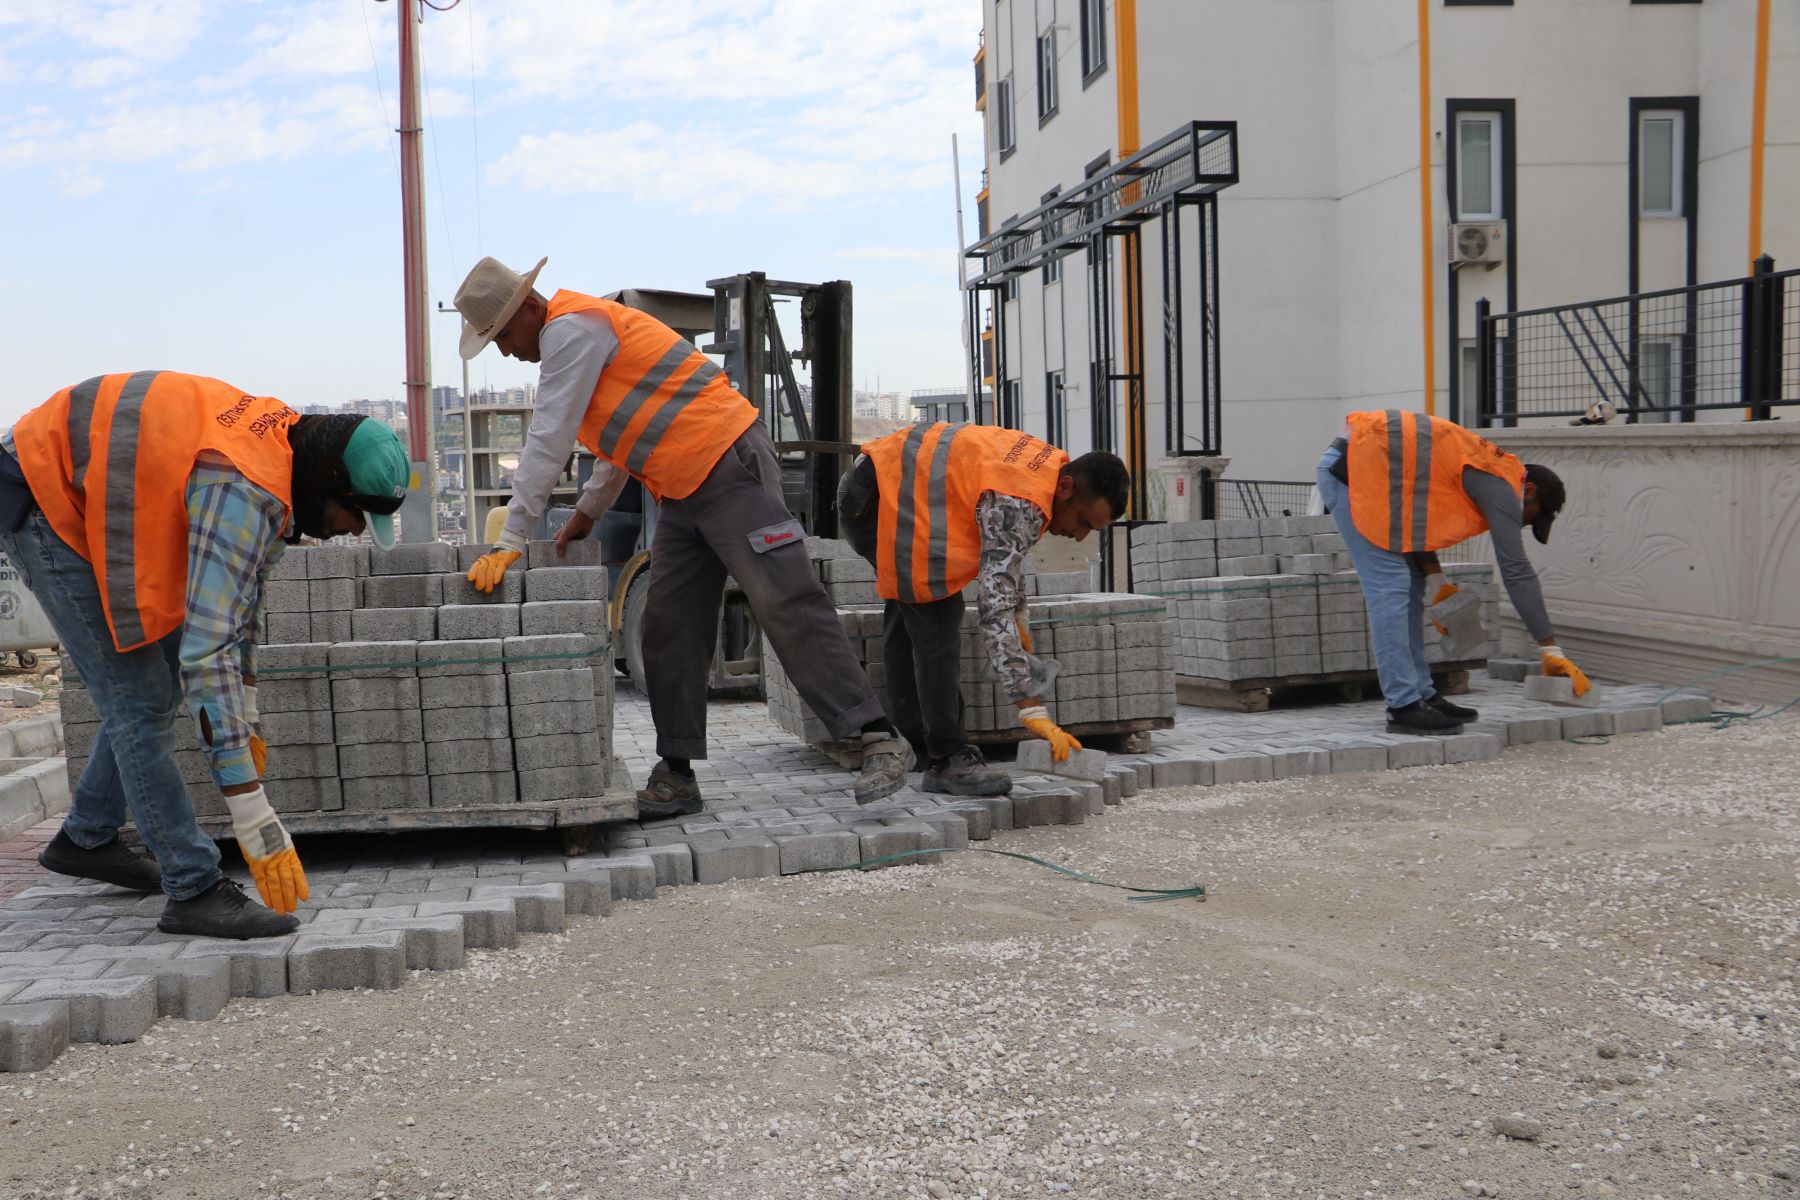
1274 598
1114 655
430 694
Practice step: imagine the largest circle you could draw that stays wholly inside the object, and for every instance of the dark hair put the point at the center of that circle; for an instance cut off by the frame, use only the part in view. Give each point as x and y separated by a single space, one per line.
1099 475
1551 494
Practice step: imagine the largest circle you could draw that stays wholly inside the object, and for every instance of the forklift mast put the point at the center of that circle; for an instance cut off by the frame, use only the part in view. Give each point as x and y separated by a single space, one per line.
810 423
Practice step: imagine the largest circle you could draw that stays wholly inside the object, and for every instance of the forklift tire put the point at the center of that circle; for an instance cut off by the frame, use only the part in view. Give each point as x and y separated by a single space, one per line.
27 660
631 633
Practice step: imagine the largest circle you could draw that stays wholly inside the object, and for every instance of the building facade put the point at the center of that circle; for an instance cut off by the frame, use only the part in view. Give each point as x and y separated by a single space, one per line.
1601 147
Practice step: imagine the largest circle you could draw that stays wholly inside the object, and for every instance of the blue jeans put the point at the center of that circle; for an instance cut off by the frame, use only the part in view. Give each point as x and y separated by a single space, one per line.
132 766
1394 593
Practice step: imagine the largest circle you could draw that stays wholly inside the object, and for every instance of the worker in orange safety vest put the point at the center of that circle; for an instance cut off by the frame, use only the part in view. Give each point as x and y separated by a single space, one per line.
937 507
145 512
1401 486
651 406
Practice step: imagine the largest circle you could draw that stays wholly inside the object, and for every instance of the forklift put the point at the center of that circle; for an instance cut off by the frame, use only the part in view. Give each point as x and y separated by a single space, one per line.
804 396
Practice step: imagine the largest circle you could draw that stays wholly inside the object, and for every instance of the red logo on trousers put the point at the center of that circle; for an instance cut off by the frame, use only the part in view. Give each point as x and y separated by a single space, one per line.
769 539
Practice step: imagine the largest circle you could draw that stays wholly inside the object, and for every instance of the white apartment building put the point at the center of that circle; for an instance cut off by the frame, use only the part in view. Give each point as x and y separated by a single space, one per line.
1608 145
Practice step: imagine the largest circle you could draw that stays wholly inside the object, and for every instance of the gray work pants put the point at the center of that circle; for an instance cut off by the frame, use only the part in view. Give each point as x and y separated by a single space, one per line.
736 523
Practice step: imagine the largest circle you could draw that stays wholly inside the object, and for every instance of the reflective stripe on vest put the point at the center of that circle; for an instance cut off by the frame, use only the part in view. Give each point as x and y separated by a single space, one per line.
121 503
937 511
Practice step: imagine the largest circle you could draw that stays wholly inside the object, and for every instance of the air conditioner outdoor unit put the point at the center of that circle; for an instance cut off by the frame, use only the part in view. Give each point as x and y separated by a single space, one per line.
1478 242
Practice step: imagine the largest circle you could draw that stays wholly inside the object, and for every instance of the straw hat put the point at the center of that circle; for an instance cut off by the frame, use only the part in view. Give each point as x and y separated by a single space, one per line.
488 298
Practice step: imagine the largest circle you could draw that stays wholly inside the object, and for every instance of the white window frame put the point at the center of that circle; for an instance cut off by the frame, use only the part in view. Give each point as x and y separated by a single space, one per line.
1677 168
1046 74
1496 166
1005 133
1093 39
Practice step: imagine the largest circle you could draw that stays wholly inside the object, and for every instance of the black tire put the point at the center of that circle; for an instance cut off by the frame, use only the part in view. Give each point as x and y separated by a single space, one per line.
631 633
27 660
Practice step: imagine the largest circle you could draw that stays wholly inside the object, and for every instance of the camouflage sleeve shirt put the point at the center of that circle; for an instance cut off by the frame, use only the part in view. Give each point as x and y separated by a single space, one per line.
1009 527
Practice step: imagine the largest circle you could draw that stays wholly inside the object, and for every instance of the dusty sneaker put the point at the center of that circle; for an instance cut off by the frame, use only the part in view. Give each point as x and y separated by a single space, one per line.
886 760
1424 718
223 911
111 863
669 793
966 774
1456 712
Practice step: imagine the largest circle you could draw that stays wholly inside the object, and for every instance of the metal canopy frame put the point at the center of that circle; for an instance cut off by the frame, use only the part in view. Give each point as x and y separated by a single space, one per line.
1184 169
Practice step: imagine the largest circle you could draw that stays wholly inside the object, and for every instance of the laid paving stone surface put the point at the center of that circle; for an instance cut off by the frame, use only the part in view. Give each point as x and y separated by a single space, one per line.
83 961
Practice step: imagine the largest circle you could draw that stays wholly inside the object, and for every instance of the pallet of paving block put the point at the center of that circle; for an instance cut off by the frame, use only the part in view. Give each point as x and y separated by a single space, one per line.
1253 695
557 814
1081 729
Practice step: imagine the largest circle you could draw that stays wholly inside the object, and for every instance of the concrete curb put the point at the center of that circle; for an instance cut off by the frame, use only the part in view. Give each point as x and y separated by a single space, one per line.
32 794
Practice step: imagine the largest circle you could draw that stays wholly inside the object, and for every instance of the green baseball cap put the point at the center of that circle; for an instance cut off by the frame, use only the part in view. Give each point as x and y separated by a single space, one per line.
379 475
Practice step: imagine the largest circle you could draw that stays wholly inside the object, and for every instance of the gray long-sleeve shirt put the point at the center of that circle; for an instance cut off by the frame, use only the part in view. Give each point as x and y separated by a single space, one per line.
1505 514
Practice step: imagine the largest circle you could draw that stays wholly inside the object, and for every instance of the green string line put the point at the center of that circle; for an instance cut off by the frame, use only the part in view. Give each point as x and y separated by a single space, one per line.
1147 896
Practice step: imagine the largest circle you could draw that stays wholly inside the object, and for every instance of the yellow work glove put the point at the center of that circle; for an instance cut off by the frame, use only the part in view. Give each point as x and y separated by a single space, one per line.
1037 720
1024 628
1557 663
488 569
274 864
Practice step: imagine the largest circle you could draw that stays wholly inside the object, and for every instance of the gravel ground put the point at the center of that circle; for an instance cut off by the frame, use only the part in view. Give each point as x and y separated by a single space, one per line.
1592 948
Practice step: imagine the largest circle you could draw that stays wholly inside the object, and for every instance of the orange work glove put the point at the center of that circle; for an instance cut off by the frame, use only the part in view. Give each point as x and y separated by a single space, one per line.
488 569
1557 663
259 754
274 864
1037 720
1444 590
1024 628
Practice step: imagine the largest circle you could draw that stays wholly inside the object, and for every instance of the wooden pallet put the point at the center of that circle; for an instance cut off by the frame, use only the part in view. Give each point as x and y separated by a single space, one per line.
1256 695
565 816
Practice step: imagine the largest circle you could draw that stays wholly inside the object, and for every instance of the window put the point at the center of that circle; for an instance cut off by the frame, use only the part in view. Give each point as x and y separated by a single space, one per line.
1056 410
1012 416
1658 360
1659 163
1478 3
1093 38
1469 380
1003 115
1478 184
1046 75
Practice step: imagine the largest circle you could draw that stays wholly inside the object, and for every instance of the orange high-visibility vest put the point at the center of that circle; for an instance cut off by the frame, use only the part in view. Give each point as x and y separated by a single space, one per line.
108 461
929 479
662 410
1406 492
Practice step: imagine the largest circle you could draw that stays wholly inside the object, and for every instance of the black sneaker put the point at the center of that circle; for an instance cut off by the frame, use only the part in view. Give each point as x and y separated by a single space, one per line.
1459 712
966 774
669 794
1422 717
224 911
111 863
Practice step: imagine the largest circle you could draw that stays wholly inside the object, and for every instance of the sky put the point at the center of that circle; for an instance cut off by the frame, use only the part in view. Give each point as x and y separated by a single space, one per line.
213 187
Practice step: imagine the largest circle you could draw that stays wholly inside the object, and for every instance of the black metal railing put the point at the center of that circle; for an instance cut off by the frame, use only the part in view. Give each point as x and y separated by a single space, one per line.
1654 356
1236 498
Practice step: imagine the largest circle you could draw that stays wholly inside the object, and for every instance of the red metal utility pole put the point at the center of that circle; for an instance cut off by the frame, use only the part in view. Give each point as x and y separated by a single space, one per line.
418 330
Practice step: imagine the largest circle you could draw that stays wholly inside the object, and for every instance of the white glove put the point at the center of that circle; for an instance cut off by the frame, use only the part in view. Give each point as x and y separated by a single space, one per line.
250 713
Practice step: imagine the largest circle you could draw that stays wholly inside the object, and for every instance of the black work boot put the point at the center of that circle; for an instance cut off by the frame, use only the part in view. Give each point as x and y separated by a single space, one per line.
669 793
1422 717
111 863
966 774
224 911
1456 712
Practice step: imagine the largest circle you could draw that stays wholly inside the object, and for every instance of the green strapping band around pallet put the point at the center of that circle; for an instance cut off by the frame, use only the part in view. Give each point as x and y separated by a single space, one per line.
1147 896
436 662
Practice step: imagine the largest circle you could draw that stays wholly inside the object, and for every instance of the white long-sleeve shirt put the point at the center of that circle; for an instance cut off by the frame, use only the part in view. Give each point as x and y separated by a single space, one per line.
575 347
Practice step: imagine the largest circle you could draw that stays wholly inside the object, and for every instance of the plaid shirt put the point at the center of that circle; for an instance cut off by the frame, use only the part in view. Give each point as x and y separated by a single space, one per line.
234 541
